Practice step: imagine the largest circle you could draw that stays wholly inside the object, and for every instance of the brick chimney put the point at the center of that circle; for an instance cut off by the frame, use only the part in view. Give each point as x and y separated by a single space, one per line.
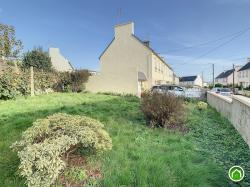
147 43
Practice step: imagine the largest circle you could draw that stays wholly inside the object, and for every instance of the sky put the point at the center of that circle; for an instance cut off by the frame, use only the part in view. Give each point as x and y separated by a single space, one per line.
83 28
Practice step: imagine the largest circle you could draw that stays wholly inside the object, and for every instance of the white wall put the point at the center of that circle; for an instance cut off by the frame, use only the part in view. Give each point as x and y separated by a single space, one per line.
121 62
198 81
58 61
244 77
235 109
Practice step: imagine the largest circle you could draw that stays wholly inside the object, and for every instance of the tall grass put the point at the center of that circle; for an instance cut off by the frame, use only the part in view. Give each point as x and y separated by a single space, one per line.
140 156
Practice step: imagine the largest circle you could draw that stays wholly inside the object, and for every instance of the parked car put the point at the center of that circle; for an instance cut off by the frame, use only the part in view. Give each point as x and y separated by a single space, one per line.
176 90
222 91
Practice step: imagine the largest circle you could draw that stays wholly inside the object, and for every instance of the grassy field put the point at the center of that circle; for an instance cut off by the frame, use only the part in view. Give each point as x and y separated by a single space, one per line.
140 156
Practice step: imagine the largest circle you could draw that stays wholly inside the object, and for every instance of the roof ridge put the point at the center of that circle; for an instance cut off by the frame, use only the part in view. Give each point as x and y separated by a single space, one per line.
136 37
246 66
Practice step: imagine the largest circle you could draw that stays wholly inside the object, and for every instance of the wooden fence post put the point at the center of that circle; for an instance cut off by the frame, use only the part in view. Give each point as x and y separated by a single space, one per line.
32 90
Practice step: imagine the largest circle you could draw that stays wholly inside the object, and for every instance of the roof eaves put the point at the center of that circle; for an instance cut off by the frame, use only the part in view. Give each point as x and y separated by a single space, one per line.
107 47
246 66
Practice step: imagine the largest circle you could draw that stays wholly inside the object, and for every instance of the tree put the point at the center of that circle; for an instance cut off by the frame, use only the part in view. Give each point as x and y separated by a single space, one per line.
37 58
10 47
218 85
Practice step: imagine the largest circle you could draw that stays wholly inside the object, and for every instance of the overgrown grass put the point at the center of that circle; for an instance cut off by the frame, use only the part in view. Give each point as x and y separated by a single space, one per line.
140 156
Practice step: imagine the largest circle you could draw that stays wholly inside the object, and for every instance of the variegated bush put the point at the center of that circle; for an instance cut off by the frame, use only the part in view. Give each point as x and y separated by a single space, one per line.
46 146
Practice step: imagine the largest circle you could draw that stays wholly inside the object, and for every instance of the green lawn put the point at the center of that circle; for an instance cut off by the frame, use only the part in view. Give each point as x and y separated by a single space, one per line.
140 156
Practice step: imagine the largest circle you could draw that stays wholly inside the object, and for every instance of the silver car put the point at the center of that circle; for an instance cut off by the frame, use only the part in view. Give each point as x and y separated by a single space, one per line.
176 90
222 91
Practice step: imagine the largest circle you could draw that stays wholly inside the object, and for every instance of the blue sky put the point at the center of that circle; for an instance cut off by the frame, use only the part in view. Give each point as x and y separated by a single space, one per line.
82 29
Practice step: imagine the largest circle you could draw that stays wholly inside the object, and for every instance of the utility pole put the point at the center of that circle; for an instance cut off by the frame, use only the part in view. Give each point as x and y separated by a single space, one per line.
202 79
233 80
213 75
32 89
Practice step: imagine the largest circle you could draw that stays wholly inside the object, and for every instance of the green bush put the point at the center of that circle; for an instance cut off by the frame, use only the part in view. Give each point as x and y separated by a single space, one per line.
72 81
163 110
63 83
13 83
44 81
78 78
37 58
6 90
218 85
201 105
45 148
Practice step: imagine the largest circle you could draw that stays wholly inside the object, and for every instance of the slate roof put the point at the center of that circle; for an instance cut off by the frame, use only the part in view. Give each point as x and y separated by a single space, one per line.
247 66
147 46
225 74
188 78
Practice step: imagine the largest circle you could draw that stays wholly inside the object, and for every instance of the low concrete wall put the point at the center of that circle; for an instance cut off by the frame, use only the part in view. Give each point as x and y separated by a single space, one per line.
235 109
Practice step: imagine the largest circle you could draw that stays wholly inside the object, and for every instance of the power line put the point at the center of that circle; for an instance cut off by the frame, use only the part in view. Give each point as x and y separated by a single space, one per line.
219 46
210 41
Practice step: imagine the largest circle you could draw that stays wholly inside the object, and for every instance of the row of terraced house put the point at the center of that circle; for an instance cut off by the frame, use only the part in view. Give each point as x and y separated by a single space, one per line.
240 76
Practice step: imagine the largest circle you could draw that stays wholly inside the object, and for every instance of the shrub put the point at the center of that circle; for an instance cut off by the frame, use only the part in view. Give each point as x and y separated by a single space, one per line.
218 85
44 81
72 81
6 90
63 82
201 105
46 146
163 110
13 83
78 78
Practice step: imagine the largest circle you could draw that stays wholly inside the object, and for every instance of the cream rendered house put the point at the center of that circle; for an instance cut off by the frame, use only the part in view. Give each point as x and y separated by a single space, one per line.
244 75
129 65
58 61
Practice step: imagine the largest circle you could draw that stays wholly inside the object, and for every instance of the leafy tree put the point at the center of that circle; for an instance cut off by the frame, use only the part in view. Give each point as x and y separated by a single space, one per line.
10 47
37 58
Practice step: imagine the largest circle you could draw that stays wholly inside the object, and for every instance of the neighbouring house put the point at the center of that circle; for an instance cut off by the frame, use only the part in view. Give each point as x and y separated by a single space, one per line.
59 63
129 65
244 75
226 77
191 81
176 79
